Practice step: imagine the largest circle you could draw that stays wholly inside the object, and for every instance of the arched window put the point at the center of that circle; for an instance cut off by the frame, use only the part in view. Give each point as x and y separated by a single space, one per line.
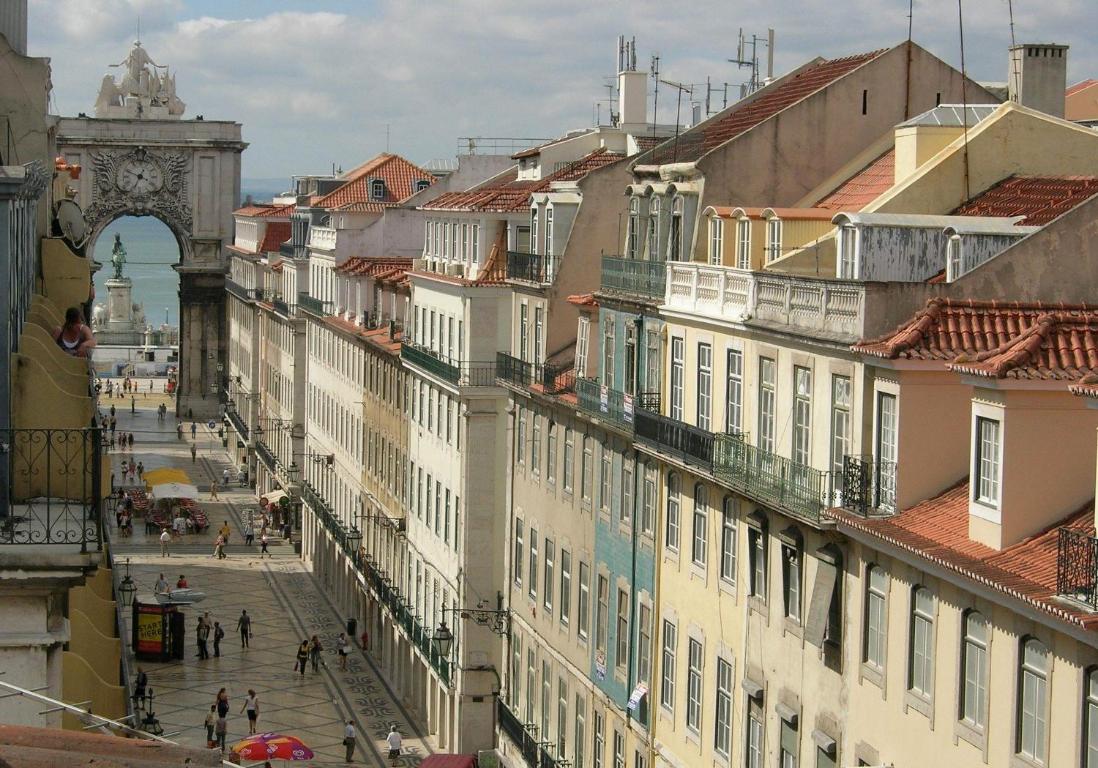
973 704
674 486
1033 701
700 550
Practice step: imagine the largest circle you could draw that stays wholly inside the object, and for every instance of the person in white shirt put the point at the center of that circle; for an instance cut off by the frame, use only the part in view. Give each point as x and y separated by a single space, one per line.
349 740
162 587
165 537
393 740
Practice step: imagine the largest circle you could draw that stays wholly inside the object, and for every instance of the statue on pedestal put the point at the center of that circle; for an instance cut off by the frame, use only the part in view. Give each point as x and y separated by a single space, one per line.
146 89
118 256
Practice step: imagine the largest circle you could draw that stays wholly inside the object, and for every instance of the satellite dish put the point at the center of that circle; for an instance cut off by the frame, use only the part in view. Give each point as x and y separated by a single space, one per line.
71 220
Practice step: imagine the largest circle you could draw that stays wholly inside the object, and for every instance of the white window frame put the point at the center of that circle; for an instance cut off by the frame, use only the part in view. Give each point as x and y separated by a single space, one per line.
743 243
767 396
722 719
802 415
674 512
694 692
974 670
716 240
920 676
773 239
987 463
678 395
667 665
705 386
841 399
875 636
583 332
733 392
1033 700
699 551
847 265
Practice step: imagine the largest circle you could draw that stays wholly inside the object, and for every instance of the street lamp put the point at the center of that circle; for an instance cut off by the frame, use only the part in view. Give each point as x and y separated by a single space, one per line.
443 640
354 538
293 472
127 589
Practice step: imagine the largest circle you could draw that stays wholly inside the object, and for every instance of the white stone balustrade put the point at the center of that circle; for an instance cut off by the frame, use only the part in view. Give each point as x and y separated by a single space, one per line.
323 238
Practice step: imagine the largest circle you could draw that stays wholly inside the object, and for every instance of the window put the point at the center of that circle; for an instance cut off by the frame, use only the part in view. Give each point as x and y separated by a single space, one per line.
722 729
550 576
921 672
377 189
539 334
876 632
648 505
629 385
599 747
534 229
653 229
754 740
551 453
694 686
579 735
546 698
516 671
1090 727
743 244
535 444
756 553
625 513
608 352
622 655
634 222
569 457
602 612
1033 701
705 385
840 422
716 239
475 247
517 565
584 607
787 746
582 333
954 258
766 404
644 643
773 239
531 683
619 749
886 449
587 468
652 381
833 627
548 231
606 466
672 533
639 760
524 332
802 414
733 409
699 553
791 576
728 539
562 716
667 681
532 574
987 461
520 435
565 585
974 664
677 346
674 236
848 252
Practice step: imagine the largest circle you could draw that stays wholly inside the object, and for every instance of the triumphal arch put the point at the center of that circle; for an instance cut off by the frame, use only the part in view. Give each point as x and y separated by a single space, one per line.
139 157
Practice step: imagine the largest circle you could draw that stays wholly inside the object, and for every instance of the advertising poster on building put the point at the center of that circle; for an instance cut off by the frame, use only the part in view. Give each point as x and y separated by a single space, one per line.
150 630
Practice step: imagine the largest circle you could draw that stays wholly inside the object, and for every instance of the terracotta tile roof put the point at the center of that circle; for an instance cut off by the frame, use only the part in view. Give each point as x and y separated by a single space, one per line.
1086 386
1082 85
865 186
645 143
264 210
937 530
377 337
276 234
1039 199
513 195
583 300
29 747
741 118
1058 346
361 266
399 175
948 328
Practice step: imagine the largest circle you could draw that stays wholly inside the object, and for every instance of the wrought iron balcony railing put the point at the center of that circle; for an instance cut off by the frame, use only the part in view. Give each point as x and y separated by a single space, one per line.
1077 566
635 277
287 310
867 486
459 372
531 267
53 487
237 422
266 456
314 305
690 444
764 476
606 402
551 379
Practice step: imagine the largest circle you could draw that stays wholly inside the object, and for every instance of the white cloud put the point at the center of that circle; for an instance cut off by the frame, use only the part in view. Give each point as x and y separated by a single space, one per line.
314 87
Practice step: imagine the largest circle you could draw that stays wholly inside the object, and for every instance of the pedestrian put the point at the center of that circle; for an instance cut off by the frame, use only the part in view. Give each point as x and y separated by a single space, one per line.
219 547
129 441
211 723
133 405
112 442
213 490
139 687
203 632
251 706
314 652
394 741
194 453
165 537
244 627
179 431
141 469
225 477
365 640
181 582
112 415
349 741
343 646
263 546
194 430
222 730
218 634
249 533
225 530
161 587
302 657
114 422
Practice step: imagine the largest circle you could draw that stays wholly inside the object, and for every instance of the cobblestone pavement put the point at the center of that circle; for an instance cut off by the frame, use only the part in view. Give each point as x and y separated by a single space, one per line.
286 604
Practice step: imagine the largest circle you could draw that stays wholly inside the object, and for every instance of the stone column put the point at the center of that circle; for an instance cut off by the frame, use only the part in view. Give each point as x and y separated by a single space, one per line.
202 340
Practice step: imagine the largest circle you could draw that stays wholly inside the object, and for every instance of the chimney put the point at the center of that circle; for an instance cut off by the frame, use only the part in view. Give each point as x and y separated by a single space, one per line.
632 87
1037 77
13 24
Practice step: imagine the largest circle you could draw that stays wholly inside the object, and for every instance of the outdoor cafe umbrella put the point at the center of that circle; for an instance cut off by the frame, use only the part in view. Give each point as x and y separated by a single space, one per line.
165 475
272 746
273 497
175 491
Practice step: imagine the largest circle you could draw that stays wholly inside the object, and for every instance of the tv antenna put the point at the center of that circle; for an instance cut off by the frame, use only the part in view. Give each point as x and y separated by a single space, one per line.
741 61
682 88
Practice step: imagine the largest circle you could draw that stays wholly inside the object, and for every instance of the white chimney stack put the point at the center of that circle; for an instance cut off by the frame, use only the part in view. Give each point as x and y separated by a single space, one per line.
632 88
1038 76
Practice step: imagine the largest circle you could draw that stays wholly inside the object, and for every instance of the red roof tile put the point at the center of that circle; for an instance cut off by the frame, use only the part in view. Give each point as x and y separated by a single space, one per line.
1082 85
264 210
276 234
512 196
864 187
1058 346
399 175
645 143
1039 199
937 530
948 328
741 118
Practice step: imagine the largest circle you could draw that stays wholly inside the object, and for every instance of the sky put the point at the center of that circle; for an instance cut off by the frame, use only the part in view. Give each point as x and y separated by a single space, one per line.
321 83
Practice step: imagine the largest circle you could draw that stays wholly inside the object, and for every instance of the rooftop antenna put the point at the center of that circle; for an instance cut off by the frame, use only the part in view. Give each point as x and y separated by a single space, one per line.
386 138
1013 45
741 61
678 110
656 98
964 96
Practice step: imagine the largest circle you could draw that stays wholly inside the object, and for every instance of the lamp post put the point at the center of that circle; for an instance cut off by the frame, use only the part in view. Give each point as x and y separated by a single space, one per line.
443 641
127 589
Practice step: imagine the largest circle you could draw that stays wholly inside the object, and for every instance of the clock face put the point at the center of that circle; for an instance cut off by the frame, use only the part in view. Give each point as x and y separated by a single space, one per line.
140 177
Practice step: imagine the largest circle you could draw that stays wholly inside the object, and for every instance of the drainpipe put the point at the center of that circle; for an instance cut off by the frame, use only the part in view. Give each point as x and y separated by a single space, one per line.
508 564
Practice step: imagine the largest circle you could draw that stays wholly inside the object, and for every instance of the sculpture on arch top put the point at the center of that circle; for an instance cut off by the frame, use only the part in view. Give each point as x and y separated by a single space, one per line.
146 90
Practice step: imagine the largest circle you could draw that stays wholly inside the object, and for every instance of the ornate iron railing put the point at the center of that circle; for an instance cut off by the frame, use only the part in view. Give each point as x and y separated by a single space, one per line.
55 488
462 373
605 402
519 733
690 444
531 267
636 277
266 456
764 476
1077 566
552 379
238 423
281 307
867 486
314 305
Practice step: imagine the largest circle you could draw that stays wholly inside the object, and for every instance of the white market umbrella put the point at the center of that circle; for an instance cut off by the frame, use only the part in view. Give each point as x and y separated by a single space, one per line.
273 497
175 491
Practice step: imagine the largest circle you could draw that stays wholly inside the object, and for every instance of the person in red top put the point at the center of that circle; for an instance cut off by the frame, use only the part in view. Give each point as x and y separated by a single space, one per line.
182 582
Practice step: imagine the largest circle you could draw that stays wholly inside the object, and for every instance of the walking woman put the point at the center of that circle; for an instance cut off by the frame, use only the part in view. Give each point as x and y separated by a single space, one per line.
302 656
344 648
74 337
251 706
314 652
222 727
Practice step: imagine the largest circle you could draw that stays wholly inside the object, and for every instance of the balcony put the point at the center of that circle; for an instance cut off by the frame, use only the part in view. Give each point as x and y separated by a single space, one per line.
867 486
691 445
634 277
1077 567
548 378
237 422
786 485
605 403
833 309
532 267
458 372
521 734
242 293
265 455
315 306
322 238
53 487
284 309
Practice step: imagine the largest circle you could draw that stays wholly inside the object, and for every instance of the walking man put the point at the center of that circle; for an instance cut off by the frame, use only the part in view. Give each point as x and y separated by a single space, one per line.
194 430
263 546
244 626
218 634
213 490
249 533
165 537
349 741
194 453
133 405
394 741
203 632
